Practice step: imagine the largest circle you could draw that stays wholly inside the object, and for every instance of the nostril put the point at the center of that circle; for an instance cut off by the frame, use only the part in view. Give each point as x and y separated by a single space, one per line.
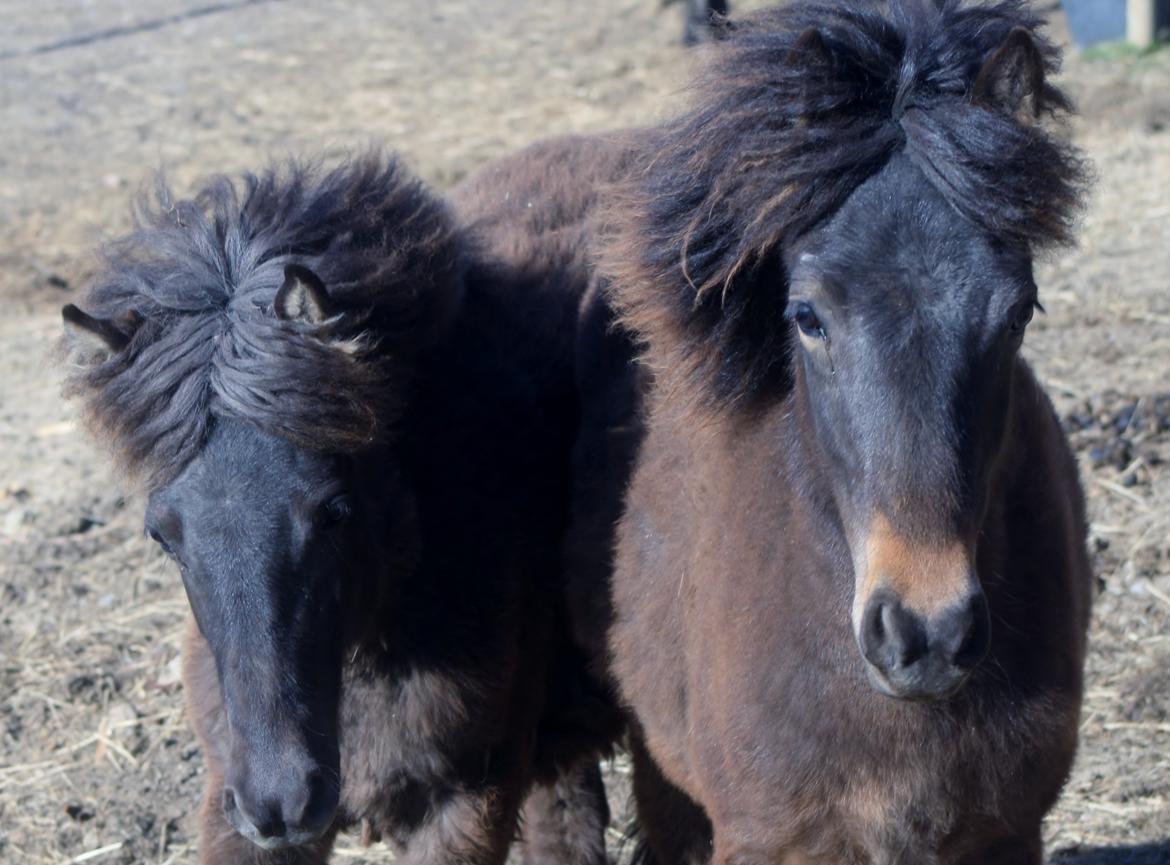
271 828
308 800
907 638
253 819
892 638
270 822
969 635
975 635
888 624
320 802
873 634
919 657
315 779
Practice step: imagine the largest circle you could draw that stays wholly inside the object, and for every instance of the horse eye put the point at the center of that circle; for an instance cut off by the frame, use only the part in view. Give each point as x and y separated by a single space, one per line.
158 539
806 319
336 510
1022 316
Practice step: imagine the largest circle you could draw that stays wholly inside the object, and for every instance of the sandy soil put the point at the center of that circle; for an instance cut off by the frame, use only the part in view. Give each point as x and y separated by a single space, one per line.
96 762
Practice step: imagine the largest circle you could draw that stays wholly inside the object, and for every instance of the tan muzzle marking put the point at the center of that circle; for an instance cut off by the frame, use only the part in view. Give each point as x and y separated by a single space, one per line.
926 578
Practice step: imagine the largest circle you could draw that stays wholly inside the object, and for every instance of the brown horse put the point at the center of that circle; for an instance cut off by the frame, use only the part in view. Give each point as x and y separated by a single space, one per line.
851 589
355 423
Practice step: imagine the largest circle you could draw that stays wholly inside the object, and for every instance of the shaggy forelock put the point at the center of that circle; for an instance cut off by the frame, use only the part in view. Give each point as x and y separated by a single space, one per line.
777 140
196 280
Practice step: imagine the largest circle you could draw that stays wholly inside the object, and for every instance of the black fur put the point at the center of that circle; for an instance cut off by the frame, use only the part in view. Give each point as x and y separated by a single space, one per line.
200 275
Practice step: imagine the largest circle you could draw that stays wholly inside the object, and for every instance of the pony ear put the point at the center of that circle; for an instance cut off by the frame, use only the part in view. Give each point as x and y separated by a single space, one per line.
91 340
809 49
303 297
1012 78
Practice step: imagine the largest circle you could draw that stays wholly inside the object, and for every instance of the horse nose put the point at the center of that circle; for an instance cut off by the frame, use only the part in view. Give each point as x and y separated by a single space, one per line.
916 656
283 808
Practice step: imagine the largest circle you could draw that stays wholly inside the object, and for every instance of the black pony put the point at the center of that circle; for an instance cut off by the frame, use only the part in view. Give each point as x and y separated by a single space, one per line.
355 436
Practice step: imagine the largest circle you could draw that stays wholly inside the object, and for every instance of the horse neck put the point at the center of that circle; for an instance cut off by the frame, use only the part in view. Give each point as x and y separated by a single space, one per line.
481 451
1032 555
758 475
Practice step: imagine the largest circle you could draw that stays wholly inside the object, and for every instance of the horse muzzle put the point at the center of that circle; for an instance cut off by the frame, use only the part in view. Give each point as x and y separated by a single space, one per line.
914 657
288 804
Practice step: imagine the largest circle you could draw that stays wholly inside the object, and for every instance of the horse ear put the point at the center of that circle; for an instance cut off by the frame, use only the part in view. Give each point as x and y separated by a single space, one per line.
93 340
303 297
809 49
1012 78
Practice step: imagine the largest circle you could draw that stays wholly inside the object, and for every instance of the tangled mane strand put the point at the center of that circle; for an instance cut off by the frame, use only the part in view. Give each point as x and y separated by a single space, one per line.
782 130
195 283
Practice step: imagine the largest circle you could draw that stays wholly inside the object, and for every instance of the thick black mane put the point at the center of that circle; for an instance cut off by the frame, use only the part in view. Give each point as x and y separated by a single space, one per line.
782 131
195 283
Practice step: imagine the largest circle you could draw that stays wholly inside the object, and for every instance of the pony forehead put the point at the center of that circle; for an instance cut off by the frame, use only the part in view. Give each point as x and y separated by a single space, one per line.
896 221
201 275
784 129
894 77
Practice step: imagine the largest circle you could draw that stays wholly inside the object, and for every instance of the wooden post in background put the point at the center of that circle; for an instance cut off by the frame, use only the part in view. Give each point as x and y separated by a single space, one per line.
1140 22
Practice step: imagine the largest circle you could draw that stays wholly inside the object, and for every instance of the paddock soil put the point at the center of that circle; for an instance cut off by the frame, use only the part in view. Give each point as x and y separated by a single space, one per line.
96 761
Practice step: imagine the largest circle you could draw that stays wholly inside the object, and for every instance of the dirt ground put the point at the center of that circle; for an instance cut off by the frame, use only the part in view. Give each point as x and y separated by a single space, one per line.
96 761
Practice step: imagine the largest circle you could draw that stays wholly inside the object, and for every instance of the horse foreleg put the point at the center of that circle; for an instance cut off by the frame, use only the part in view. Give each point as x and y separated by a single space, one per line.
675 828
565 822
471 827
1024 850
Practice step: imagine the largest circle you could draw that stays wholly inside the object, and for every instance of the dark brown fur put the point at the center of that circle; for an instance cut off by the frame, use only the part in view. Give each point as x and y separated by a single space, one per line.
758 736
747 684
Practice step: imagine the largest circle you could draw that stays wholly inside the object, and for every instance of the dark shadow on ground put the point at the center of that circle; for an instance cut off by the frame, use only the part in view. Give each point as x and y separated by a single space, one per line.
1157 853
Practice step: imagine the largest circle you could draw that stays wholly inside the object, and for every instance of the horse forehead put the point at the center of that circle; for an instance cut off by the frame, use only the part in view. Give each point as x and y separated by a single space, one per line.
926 299
240 466
922 271
951 294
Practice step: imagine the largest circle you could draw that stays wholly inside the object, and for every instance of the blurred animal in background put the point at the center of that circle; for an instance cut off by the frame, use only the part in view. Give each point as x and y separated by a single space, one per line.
704 19
355 435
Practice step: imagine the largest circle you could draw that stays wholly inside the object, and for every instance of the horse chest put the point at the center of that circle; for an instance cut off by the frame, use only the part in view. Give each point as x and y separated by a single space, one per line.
834 792
404 742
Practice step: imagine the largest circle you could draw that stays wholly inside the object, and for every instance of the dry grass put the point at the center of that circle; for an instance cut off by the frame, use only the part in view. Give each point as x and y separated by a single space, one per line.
96 761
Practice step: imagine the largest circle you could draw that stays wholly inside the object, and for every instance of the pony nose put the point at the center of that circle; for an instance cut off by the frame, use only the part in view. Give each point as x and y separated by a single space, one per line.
922 657
281 809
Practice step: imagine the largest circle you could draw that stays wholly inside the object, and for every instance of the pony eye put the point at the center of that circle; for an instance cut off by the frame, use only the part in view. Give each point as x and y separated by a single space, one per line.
154 535
336 510
806 319
1022 316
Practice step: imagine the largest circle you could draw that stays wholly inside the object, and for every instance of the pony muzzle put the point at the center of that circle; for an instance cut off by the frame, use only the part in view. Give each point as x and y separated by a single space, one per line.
281 801
919 615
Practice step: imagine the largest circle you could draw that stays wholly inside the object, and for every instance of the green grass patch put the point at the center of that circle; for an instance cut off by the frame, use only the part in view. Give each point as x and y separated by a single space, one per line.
1123 52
